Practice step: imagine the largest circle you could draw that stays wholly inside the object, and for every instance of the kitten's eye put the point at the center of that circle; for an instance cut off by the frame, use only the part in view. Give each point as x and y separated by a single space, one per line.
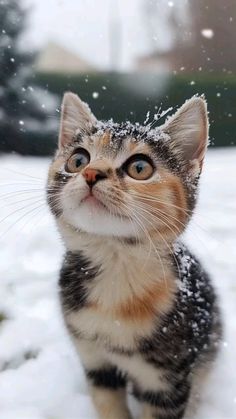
140 169
78 161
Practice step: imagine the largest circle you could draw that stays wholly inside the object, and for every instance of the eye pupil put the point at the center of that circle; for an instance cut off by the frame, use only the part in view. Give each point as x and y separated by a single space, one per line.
79 161
139 167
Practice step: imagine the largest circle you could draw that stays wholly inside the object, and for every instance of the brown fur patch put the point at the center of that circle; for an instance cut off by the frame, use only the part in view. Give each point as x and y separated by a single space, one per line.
165 199
141 148
155 299
131 145
104 141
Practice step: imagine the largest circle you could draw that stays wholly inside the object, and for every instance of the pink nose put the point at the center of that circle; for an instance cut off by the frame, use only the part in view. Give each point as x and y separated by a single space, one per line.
90 175
93 175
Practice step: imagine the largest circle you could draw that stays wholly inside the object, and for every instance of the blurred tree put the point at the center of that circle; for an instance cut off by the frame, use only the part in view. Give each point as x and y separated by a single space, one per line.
203 34
23 108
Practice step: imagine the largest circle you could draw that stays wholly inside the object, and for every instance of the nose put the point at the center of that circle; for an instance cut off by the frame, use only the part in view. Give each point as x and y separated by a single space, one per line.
92 176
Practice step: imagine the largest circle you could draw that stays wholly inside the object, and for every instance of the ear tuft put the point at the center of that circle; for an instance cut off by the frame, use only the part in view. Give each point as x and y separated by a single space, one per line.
76 116
188 130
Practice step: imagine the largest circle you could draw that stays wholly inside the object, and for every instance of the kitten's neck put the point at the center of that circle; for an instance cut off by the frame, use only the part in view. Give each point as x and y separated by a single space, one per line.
106 251
76 240
127 273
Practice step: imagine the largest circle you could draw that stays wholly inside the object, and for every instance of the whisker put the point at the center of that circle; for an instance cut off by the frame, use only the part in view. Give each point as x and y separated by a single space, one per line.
155 199
187 212
158 232
134 213
18 183
18 209
21 192
20 218
22 200
22 174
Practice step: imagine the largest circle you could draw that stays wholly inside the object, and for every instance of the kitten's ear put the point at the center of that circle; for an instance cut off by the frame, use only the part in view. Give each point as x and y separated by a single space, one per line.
188 132
75 117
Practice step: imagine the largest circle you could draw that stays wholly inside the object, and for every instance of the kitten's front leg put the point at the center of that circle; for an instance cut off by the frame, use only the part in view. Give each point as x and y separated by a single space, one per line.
168 404
107 384
110 404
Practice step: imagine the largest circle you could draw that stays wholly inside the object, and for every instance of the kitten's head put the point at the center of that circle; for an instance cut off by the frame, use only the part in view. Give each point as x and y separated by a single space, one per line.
126 180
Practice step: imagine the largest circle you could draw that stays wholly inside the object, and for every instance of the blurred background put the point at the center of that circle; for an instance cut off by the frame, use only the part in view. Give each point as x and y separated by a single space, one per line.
128 59
125 58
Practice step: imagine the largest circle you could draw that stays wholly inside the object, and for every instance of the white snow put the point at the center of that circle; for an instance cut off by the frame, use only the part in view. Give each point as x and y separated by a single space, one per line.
41 376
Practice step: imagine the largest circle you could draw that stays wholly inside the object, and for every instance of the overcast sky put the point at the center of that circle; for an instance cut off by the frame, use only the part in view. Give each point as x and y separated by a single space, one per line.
84 26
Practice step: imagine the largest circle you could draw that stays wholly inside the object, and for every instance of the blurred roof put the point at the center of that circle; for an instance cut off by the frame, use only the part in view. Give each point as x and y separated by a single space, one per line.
55 58
153 63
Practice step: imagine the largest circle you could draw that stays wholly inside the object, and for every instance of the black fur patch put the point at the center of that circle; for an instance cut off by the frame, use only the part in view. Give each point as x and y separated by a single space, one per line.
75 273
169 415
109 377
163 399
191 330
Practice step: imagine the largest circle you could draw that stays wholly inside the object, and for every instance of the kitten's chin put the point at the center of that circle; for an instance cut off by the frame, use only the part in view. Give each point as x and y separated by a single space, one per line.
92 217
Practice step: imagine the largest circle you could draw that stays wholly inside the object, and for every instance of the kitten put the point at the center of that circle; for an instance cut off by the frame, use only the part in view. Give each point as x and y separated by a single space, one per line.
138 305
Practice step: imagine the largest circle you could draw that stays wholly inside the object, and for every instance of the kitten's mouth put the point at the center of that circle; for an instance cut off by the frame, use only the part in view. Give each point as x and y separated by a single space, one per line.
94 202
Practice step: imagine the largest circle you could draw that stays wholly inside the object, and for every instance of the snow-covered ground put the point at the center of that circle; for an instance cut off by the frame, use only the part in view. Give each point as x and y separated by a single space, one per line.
41 376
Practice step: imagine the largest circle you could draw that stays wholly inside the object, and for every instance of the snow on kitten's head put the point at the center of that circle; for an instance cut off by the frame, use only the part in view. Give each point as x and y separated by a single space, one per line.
126 180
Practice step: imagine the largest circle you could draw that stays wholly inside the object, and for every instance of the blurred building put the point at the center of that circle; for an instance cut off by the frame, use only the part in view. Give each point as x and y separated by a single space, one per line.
54 58
153 63
203 41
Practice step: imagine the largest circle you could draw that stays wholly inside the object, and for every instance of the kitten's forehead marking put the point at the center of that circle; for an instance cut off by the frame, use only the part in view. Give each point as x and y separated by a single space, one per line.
105 139
106 146
117 142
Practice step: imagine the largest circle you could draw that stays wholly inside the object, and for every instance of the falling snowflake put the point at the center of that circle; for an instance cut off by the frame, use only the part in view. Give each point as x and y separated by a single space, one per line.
147 118
207 33
95 95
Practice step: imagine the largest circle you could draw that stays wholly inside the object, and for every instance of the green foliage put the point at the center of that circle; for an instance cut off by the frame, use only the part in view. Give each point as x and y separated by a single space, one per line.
3 317
125 97
131 96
